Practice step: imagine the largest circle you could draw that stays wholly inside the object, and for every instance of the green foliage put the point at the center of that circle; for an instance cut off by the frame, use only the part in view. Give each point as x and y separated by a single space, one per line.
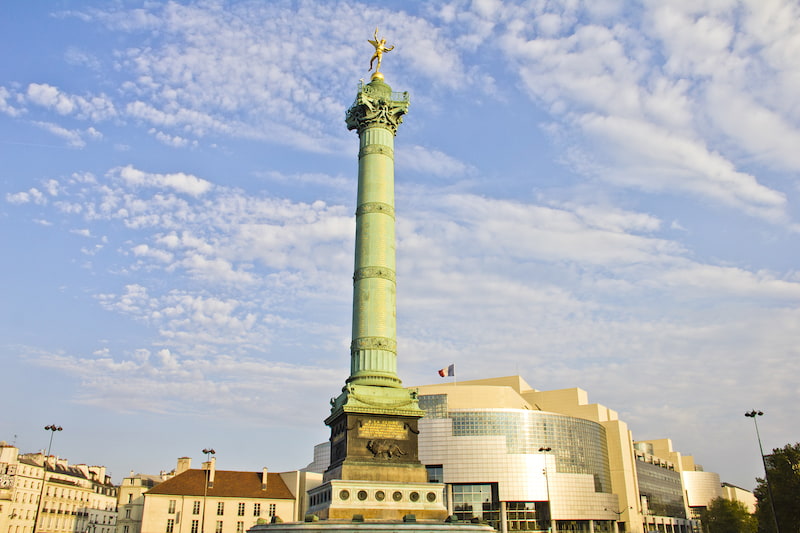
727 516
783 468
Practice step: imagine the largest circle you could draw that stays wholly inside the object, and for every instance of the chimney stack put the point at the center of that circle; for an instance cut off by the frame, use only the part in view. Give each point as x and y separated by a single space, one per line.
210 466
264 479
184 464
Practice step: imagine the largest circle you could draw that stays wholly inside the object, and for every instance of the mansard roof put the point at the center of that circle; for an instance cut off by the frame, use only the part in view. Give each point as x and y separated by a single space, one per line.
227 484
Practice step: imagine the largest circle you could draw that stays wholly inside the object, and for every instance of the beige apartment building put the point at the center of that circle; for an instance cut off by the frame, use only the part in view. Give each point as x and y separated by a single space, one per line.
208 500
130 500
74 498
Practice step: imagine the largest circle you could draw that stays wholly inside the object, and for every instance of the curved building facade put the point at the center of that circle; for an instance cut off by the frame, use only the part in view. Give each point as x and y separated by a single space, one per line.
518 469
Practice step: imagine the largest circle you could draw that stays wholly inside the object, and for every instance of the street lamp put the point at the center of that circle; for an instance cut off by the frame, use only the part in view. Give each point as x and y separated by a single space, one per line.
619 516
52 428
753 414
209 452
545 449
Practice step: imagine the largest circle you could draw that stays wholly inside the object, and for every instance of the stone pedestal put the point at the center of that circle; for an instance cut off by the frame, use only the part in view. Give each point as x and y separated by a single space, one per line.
377 500
371 527
374 447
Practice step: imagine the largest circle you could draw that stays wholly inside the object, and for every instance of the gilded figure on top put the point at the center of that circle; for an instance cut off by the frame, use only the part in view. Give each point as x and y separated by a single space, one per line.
380 48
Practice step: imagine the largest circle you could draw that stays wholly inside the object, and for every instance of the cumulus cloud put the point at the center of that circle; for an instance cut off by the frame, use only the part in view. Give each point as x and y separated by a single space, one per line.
6 107
244 72
32 195
163 382
660 109
635 153
95 108
176 141
180 182
143 250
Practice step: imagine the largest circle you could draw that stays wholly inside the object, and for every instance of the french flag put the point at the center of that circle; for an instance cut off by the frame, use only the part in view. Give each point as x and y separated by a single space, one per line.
449 371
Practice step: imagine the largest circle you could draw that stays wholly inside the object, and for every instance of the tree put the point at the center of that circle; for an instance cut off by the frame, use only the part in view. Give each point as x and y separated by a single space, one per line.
783 471
727 516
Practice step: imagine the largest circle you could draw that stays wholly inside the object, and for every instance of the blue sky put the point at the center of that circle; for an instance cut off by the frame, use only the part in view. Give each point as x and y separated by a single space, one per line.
602 195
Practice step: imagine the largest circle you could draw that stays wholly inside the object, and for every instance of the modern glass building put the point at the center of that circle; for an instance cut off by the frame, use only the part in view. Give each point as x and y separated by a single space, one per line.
518 469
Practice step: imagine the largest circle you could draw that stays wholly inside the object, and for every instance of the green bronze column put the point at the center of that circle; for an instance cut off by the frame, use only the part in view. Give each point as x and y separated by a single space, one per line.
374 470
375 115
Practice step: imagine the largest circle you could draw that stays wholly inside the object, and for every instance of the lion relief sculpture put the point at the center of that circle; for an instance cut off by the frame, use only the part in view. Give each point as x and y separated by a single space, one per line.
382 449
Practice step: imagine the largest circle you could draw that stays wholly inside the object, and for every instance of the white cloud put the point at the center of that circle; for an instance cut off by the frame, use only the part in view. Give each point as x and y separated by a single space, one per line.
658 114
766 134
217 269
143 250
432 162
73 137
32 195
76 56
175 141
613 218
7 108
731 282
93 107
180 182
643 155
583 234
311 178
166 382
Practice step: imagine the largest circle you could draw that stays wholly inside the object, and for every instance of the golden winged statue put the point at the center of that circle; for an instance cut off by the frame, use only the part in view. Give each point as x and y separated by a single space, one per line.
380 48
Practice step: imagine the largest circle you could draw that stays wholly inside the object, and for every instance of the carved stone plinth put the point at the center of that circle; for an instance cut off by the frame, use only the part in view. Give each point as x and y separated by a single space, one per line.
377 500
374 447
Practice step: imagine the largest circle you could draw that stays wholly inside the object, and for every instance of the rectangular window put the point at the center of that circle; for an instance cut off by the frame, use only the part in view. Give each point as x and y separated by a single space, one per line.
170 525
272 509
219 527
127 513
171 509
256 509
220 508
125 529
239 527
477 501
196 507
130 498
240 511
435 473
195 525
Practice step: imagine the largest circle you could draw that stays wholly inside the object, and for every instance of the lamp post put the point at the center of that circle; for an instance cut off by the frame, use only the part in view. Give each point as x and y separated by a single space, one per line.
545 449
619 516
753 414
209 452
52 428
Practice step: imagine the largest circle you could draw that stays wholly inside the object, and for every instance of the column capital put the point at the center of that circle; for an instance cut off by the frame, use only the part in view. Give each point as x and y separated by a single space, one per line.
377 106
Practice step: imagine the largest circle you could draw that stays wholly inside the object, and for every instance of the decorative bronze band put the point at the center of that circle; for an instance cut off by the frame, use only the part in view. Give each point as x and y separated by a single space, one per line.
389 126
374 272
376 149
368 400
374 343
375 207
